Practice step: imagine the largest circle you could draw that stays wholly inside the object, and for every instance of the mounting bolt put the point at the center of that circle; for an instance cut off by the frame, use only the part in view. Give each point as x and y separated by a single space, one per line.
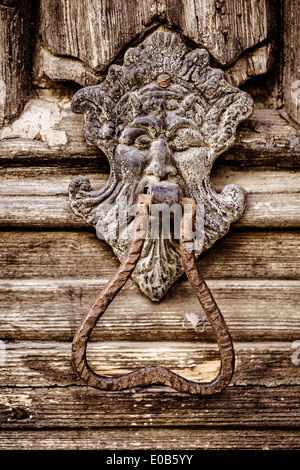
163 80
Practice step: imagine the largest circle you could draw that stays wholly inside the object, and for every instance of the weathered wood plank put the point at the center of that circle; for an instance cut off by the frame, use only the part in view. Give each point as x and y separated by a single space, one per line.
262 211
51 134
150 438
273 141
96 31
64 69
83 407
54 181
52 310
42 364
271 211
38 197
291 64
226 30
68 255
14 59
256 62
45 130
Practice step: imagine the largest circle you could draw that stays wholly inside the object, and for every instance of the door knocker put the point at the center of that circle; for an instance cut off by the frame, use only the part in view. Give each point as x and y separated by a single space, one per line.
161 118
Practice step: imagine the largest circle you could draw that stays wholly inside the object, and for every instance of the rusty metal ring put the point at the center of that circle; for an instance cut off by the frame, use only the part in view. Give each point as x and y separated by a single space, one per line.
155 375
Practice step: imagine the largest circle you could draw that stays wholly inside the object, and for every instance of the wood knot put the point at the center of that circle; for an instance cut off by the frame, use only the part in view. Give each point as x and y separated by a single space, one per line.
163 80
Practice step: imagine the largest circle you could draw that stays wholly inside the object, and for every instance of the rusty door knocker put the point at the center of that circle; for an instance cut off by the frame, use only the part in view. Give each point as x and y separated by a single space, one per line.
161 118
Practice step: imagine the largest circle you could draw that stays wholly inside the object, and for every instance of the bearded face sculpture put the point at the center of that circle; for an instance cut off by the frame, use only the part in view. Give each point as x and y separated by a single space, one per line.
164 116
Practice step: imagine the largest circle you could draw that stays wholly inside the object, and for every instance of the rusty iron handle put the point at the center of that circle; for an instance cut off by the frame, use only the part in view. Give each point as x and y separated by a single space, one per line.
155 374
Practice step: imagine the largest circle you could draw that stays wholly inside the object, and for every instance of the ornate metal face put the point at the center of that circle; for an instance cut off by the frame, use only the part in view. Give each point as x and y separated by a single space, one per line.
163 116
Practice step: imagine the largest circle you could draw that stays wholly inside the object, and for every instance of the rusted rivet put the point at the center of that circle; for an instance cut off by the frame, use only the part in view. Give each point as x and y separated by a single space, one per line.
163 80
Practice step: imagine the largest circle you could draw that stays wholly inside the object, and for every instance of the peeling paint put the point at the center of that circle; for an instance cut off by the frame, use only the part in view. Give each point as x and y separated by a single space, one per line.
38 121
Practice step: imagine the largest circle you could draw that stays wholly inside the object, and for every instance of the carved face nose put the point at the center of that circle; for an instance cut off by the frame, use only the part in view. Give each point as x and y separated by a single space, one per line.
161 164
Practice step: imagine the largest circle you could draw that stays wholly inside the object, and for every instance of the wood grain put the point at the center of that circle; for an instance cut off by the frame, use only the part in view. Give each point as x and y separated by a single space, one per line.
137 438
226 30
69 254
255 62
62 69
221 26
82 407
291 64
44 309
44 364
107 28
14 59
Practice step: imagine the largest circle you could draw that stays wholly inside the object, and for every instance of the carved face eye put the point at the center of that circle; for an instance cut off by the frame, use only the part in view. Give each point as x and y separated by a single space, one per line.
186 138
143 142
179 144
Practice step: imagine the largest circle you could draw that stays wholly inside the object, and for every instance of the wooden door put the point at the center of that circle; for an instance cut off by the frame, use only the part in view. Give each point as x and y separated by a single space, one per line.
51 48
